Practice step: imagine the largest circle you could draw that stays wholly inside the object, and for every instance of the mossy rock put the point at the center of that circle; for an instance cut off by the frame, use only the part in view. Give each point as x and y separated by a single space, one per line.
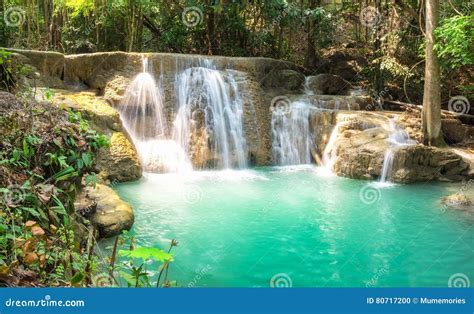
110 214
119 162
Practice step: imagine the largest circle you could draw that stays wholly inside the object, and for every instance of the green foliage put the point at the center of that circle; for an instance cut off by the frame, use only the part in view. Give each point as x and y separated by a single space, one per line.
133 268
455 41
45 153
6 71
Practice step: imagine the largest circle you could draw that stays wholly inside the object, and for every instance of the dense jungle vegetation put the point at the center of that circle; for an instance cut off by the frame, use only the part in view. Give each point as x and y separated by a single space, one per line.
379 45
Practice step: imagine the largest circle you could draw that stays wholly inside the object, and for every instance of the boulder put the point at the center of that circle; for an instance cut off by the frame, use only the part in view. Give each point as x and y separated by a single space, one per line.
345 62
104 208
453 131
361 145
423 163
457 200
115 88
101 116
327 84
287 79
119 162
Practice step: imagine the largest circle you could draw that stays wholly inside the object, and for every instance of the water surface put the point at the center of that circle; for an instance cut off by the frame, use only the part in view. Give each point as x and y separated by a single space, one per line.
301 227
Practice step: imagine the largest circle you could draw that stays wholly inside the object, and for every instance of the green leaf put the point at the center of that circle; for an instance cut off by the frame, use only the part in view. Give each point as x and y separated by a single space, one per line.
77 279
87 158
146 253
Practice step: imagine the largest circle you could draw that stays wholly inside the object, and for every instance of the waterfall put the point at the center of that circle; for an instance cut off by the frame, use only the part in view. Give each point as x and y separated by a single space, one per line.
398 137
210 112
330 152
292 140
387 166
141 111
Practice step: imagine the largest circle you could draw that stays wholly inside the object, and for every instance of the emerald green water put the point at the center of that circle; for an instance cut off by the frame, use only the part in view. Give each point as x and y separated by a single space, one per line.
302 228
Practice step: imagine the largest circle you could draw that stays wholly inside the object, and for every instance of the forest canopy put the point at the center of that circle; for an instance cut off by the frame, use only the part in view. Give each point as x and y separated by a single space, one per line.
382 41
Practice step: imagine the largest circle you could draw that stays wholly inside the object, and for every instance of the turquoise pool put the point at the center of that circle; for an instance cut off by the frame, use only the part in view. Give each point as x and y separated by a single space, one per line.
300 227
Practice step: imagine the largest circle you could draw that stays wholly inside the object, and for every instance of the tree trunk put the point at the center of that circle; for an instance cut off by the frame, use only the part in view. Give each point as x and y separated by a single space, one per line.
311 58
431 113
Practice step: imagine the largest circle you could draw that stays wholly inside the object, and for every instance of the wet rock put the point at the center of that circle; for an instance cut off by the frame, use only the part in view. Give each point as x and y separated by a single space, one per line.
457 200
110 215
361 145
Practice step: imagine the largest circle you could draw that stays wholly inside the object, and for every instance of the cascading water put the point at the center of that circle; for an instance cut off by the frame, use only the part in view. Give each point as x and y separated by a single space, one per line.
330 152
210 112
398 137
142 107
141 111
291 134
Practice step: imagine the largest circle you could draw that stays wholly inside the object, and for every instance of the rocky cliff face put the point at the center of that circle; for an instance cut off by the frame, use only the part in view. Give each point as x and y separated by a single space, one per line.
119 162
362 143
361 140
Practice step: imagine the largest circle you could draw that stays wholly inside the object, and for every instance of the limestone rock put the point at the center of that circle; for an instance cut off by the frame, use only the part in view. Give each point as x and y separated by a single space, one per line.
453 131
328 84
101 116
286 79
115 88
457 200
361 145
111 215
119 162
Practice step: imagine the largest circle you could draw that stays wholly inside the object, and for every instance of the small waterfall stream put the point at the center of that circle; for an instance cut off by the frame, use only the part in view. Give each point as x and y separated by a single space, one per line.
330 153
398 137
210 112
291 135
141 111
